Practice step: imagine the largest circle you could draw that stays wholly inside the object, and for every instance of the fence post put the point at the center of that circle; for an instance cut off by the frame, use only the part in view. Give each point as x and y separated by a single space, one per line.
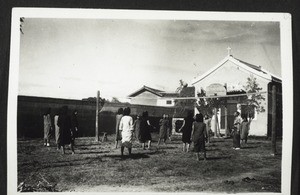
226 122
97 116
274 120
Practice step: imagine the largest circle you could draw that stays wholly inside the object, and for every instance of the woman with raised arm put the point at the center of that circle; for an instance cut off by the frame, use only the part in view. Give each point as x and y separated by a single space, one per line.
199 136
186 130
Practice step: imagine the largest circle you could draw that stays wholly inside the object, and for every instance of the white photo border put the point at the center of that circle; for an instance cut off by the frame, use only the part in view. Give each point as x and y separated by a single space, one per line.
286 67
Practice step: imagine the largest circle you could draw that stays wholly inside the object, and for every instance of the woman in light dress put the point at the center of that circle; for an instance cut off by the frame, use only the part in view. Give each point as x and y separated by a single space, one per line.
245 127
207 122
215 124
126 126
236 131
57 131
163 130
47 127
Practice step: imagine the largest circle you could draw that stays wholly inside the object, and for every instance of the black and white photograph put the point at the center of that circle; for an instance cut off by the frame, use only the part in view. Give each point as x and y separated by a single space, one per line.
149 101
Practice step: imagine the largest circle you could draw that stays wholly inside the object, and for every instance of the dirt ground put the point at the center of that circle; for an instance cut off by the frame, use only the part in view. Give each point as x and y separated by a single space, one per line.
98 167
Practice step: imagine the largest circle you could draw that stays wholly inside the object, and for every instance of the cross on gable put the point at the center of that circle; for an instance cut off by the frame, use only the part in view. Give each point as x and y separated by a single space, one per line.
229 51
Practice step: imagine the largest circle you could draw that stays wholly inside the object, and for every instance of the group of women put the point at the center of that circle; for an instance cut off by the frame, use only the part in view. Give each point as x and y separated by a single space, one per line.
66 128
125 128
240 130
196 131
193 130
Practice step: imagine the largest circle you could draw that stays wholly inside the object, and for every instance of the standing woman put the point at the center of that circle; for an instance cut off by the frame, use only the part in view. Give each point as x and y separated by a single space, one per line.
47 127
64 123
236 131
163 131
118 119
126 126
186 130
136 126
199 135
57 131
169 127
145 134
245 126
215 124
74 126
207 122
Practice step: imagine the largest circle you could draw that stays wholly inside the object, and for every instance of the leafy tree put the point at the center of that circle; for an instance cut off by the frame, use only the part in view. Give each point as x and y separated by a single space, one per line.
206 105
254 100
115 100
182 105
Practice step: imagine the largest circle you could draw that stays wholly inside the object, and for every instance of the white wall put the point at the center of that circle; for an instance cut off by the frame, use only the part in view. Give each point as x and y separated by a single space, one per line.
163 102
145 98
232 74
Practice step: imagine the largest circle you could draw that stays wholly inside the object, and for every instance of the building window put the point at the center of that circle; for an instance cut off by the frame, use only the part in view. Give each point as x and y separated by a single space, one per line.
169 102
248 111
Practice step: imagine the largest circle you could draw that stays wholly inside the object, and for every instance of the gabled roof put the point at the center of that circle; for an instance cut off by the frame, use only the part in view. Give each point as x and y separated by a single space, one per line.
254 69
153 91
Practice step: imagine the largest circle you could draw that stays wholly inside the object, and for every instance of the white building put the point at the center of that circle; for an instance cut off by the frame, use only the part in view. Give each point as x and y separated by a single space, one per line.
152 97
232 73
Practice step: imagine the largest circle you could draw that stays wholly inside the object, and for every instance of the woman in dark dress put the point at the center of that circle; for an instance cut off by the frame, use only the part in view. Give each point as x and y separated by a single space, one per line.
186 130
64 123
199 135
145 134
74 126
118 132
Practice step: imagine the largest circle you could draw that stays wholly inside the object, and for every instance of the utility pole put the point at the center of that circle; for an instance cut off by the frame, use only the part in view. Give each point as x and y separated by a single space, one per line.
97 116
226 122
274 120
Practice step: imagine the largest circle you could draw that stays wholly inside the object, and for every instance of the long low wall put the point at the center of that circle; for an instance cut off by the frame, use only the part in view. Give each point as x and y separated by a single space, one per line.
31 109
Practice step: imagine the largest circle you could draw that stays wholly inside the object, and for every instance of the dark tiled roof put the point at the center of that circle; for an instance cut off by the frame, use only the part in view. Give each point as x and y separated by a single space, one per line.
145 88
258 68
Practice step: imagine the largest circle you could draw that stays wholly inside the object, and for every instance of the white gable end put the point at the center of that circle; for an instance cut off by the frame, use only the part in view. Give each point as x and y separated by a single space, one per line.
239 65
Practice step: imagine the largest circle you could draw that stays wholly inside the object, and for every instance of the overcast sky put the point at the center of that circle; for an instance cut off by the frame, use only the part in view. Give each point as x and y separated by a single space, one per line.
73 58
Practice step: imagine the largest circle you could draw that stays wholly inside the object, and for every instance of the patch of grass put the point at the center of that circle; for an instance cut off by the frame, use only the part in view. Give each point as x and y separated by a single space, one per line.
164 169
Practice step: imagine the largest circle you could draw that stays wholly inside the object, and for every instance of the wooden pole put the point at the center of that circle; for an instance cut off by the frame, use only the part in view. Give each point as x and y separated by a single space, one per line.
226 122
274 120
216 123
97 116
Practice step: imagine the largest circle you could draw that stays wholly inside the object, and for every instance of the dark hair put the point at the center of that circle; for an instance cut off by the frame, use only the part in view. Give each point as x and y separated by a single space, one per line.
126 111
48 111
64 110
245 118
237 113
145 114
199 117
190 114
120 111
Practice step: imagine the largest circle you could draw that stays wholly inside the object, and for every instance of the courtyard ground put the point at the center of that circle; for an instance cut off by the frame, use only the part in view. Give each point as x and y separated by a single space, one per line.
98 167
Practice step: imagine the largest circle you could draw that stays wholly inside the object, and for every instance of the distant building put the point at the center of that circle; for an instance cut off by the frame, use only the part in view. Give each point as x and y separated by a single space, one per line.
152 97
232 74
